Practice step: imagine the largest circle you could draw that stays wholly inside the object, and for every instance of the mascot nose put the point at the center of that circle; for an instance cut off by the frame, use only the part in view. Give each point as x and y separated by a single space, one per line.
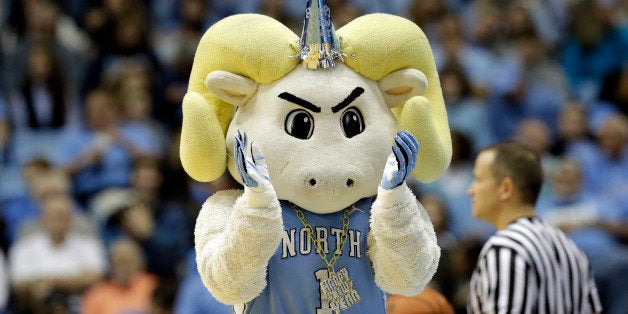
313 182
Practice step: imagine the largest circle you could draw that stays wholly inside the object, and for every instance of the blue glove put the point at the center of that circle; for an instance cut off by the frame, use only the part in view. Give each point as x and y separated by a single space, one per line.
251 165
401 162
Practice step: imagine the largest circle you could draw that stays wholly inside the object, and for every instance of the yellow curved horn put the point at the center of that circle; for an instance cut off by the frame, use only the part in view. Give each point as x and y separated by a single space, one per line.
377 44
252 45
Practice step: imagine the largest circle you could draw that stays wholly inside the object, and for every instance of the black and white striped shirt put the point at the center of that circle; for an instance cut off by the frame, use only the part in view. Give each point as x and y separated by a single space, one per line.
532 267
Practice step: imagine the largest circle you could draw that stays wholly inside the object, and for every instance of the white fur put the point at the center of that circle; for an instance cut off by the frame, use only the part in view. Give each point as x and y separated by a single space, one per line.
328 156
402 242
237 232
234 243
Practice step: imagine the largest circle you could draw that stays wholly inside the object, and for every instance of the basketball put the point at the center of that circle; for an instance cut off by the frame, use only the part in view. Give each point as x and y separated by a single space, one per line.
429 301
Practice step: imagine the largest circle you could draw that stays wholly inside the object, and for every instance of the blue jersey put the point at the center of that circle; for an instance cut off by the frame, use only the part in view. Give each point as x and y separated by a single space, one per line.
296 270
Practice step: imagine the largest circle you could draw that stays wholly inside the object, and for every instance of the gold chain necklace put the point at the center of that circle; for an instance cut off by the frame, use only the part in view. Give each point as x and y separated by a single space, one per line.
319 247
338 287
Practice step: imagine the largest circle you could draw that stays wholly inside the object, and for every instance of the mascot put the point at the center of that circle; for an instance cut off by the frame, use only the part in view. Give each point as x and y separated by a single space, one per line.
322 132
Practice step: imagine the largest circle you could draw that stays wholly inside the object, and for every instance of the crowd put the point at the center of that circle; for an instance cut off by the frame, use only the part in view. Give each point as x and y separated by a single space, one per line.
95 205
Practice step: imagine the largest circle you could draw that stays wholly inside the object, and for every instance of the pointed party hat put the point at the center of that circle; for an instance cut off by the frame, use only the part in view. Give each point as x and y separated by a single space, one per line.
319 45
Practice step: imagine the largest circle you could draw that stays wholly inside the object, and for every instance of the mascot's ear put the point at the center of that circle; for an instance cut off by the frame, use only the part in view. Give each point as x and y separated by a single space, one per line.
231 88
401 85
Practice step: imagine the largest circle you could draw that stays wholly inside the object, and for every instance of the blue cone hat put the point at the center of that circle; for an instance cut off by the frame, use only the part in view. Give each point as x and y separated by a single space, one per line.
319 45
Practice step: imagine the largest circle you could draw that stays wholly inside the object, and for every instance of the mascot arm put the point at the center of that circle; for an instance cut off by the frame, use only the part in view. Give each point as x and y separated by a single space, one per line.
234 242
402 242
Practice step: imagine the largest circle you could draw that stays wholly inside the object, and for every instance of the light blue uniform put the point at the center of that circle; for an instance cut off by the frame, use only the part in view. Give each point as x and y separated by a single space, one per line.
295 271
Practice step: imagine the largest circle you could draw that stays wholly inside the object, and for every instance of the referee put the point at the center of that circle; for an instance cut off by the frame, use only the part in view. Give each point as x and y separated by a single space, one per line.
528 266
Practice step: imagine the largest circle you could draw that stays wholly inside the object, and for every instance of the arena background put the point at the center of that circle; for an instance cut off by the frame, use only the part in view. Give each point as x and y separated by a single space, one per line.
90 114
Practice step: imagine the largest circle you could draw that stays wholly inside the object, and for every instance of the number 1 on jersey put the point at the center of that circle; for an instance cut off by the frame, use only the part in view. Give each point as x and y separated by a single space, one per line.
323 274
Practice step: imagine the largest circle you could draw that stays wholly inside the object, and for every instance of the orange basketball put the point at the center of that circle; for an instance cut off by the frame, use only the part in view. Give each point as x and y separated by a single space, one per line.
429 301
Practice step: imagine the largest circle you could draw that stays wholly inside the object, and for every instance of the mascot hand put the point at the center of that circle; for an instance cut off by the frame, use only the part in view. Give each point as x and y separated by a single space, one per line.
251 165
401 162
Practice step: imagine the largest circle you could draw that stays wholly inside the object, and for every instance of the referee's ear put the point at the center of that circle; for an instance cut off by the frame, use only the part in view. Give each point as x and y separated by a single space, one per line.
506 190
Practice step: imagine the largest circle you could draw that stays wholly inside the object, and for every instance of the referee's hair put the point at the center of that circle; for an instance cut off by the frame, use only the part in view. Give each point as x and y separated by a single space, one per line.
520 163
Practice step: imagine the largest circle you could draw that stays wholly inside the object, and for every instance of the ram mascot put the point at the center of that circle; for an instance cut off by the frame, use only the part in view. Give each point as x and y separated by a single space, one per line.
322 133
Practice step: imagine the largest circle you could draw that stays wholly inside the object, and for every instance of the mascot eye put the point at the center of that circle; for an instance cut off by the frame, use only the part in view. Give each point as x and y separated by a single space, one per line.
352 122
300 124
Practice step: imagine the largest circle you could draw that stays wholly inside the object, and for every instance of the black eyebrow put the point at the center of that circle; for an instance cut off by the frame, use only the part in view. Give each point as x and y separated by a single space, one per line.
355 93
301 102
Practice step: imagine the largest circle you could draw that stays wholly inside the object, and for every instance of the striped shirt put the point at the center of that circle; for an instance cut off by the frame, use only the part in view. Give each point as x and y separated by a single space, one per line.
532 267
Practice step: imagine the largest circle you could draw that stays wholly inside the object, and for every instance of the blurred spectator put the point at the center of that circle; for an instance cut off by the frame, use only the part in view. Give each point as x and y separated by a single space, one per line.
193 297
20 209
50 183
131 83
483 24
55 264
128 287
542 76
518 22
512 104
542 18
128 37
136 116
464 112
593 48
451 188
101 154
575 211
585 217
533 87
606 170
536 134
36 21
573 133
128 75
158 226
452 49
4 283
40 104
43 99
101 17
